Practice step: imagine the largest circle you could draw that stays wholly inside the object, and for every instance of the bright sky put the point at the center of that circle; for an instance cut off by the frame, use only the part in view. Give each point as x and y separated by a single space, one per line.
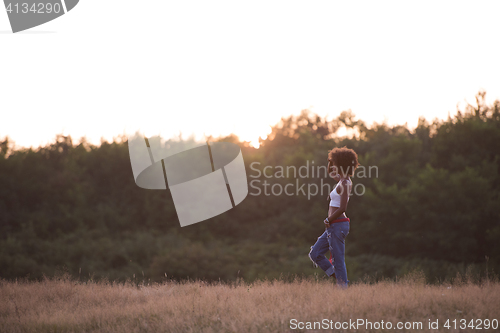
219 67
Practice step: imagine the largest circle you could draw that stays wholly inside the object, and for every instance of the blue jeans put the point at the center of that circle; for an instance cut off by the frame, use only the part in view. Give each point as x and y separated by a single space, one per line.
332 239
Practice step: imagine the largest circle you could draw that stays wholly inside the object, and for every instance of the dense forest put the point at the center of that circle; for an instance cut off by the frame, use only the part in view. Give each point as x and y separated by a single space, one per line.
430 201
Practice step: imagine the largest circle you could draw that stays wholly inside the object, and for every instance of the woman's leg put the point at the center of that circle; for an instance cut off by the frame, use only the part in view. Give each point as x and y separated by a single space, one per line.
336 235
317 255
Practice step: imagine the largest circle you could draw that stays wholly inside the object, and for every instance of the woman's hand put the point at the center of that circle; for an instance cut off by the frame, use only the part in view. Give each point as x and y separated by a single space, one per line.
326 222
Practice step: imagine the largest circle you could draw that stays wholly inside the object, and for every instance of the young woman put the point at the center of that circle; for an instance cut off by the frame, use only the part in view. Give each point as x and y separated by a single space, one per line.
341 165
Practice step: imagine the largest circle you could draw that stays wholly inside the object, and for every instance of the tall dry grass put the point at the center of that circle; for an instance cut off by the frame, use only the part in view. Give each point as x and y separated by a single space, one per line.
61 304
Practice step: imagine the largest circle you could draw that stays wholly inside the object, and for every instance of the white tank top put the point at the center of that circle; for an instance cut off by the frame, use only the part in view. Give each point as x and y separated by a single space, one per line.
335 197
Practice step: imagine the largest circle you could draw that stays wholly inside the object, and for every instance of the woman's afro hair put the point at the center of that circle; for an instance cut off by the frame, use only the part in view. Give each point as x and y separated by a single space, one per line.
345 159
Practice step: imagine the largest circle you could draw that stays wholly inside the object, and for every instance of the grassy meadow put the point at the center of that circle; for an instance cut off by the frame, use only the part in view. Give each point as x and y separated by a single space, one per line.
63 304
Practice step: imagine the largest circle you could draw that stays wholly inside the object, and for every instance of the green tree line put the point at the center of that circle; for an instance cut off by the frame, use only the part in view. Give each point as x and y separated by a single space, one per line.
432 202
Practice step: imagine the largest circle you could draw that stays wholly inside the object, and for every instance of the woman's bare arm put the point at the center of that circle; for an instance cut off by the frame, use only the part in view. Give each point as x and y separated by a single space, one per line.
344 189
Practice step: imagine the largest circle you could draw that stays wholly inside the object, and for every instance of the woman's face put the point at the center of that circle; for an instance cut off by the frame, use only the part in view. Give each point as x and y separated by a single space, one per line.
333 170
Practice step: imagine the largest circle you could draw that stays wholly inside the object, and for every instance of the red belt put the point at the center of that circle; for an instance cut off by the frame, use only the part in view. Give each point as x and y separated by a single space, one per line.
344 219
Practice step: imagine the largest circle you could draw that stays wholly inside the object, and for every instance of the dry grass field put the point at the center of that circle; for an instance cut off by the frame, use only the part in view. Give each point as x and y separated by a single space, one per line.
65 305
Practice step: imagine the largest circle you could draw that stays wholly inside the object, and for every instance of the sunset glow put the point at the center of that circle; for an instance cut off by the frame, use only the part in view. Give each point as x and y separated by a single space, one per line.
215 71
